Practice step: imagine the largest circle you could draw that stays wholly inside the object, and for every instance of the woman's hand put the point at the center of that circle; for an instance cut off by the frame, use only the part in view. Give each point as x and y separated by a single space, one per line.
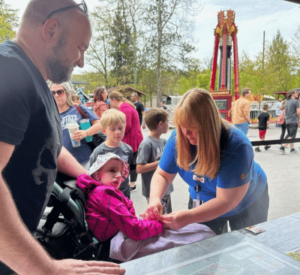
154 210
175 220
79 135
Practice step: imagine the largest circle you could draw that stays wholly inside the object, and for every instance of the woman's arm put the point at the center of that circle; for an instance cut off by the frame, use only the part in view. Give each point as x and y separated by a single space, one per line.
95 128
160 182
226 200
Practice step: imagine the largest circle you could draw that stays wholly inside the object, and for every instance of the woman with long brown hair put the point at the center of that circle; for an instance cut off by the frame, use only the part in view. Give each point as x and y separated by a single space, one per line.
100 105
216 161
133 134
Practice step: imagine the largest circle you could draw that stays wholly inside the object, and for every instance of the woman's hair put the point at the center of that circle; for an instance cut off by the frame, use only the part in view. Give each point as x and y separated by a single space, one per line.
197 111
289 94
98 94
112 117
282 107
117 96
67 89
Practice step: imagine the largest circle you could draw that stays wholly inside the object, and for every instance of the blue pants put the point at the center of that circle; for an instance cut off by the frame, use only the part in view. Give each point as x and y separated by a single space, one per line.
244 127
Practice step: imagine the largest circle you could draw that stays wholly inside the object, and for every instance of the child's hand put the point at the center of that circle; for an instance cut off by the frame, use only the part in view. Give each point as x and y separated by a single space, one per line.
154 210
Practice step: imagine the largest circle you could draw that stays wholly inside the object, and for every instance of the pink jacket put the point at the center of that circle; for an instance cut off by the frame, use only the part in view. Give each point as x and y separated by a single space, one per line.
133 134
108 211
100 107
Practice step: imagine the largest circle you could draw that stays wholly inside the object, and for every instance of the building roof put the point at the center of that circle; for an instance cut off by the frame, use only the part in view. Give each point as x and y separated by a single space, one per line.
125 89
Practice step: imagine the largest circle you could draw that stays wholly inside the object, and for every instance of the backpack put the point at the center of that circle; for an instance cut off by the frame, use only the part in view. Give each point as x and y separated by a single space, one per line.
280 119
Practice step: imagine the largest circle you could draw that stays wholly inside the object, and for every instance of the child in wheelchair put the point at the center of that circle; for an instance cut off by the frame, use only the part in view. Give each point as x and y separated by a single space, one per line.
110 213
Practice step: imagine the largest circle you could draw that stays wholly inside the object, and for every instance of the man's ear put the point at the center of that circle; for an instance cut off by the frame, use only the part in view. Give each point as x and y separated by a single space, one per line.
50 29
160 124
103 130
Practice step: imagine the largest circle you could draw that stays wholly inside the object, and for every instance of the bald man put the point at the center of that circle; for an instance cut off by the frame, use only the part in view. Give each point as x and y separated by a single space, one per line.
50 43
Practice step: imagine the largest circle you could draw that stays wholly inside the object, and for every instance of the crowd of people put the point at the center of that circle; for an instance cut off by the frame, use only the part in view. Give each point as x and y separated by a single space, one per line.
43 132
287 117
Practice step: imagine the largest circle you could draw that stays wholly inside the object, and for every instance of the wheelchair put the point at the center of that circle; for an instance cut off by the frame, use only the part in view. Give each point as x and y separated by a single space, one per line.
63 230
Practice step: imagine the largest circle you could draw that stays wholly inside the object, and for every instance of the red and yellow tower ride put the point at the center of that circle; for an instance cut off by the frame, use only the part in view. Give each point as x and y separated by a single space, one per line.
225 39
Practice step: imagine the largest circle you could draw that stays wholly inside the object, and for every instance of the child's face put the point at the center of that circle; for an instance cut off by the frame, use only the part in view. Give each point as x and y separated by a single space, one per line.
165 126
115 133
110 173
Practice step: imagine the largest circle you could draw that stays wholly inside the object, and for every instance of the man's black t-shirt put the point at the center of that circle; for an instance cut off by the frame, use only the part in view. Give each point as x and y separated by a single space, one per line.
140 108
262 121
29 119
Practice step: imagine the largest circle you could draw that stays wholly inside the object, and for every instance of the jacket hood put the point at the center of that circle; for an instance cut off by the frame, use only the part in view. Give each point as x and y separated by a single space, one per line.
87 184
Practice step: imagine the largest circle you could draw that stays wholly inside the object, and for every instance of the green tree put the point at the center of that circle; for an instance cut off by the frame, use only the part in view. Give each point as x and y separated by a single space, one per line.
92 79
204 79
8 22
281 61
122 48
169 23
98 55
276 70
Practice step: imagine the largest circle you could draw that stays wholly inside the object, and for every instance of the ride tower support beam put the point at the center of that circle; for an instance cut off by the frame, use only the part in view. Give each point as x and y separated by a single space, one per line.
236 66
214 64
224 57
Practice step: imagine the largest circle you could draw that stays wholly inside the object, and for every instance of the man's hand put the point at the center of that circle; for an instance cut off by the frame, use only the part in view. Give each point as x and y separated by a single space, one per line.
70 267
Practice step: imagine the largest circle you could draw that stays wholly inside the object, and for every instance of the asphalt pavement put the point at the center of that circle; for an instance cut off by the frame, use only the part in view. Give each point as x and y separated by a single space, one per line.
282 173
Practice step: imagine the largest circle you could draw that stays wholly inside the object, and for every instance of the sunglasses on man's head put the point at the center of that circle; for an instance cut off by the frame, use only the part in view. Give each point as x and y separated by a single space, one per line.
84 9
59 92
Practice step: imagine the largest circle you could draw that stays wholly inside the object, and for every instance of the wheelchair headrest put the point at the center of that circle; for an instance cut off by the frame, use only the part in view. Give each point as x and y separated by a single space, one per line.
71 202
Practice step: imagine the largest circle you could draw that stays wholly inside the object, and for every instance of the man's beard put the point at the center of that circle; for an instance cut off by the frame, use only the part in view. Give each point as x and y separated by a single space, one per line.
59 71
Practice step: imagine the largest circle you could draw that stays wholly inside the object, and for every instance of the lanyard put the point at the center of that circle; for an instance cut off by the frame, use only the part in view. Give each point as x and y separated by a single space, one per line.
198 179
198 189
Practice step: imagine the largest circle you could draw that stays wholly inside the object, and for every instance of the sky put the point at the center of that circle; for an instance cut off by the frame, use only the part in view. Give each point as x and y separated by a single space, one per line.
252 18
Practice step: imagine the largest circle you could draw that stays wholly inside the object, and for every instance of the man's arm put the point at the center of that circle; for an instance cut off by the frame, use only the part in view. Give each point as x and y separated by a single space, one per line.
143 119
16 241
247 112
68 165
